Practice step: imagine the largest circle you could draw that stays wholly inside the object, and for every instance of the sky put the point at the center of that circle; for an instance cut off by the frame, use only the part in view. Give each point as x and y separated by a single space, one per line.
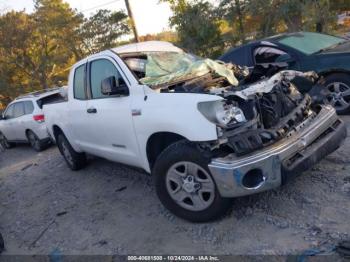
150 15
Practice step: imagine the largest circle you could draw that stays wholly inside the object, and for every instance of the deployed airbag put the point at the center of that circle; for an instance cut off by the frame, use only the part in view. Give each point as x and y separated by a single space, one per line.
163 68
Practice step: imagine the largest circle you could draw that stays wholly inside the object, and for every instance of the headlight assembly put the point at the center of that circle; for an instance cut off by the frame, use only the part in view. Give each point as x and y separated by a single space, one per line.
220 113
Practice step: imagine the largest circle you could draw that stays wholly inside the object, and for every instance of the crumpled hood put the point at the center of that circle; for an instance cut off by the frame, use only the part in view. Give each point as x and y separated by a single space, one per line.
266 85
160 71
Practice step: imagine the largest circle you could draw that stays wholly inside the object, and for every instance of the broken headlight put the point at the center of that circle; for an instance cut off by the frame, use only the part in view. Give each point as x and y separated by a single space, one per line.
221 113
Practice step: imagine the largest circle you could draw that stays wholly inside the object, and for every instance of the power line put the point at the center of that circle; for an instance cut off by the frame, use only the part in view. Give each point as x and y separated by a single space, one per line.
98 6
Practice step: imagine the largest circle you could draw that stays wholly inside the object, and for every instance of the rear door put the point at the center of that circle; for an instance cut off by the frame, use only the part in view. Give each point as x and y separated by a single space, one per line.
25 121
77 118
19 125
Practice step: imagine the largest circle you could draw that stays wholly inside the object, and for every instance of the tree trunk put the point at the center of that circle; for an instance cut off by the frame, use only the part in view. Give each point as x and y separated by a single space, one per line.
319 27
43 81
294 23
240 21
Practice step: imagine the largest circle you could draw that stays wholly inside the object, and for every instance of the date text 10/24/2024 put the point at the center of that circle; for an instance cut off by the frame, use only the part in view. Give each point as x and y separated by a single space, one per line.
173 258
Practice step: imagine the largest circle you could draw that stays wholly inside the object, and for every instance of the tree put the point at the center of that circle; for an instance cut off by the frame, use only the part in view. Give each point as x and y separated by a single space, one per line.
16 46
319 15
168 36
103 30
197 26
235 12
38 49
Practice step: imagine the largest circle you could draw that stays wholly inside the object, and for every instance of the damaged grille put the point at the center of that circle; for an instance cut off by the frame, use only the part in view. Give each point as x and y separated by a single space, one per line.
278 113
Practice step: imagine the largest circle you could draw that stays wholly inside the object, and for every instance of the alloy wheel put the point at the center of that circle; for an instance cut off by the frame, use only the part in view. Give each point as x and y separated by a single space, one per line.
190 186
338 95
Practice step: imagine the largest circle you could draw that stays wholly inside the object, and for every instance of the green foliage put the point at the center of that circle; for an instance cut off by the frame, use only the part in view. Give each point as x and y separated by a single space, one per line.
197 27
235 13
102 30
37 50
200 25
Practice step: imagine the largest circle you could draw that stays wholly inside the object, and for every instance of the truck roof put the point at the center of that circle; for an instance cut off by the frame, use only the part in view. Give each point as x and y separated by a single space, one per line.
148 46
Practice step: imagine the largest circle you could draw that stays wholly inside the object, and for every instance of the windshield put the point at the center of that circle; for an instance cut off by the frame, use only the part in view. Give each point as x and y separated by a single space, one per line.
165 63
310 43
161 68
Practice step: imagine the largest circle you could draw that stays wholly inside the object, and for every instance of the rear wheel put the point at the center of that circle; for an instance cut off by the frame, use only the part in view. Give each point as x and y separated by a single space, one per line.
5 143
185 186
338 92
74 160
34 141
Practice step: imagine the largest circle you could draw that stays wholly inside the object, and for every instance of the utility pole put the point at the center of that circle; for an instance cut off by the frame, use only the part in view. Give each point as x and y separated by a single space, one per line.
127 4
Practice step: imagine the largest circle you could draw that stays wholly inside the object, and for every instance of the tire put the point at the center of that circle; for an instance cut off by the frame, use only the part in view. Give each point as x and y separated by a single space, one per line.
177 172
74 160
5 143
338 92
2 244
34 141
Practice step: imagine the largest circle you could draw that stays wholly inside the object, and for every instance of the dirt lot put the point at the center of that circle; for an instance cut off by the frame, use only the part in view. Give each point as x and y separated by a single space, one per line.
109 208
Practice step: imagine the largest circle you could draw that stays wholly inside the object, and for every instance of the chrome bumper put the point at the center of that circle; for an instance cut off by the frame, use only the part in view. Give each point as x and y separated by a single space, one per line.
267 168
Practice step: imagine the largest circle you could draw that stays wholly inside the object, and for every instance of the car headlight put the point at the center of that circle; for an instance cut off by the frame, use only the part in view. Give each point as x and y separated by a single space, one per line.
220 113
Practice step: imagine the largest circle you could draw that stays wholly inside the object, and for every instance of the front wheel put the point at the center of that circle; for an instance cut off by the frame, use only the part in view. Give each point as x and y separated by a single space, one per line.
338 92
74 160
185 186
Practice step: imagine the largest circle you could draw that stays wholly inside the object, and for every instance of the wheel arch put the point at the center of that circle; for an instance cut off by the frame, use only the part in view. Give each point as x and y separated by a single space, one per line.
329 72
158 142
27 131
56 130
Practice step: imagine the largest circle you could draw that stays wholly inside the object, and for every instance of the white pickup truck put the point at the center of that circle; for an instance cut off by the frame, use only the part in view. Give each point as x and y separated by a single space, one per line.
203 131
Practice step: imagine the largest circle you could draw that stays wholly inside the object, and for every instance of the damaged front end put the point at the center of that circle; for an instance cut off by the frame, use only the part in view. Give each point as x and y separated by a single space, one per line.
260 114
281 134
267 130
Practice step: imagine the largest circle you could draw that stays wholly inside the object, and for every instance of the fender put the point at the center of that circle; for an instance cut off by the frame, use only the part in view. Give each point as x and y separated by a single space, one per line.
175 113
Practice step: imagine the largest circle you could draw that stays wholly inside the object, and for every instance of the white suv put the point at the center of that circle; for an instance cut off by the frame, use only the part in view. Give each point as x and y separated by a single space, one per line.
23 121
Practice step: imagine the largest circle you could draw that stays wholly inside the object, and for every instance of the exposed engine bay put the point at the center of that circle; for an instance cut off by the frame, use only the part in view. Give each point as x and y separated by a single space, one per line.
256 111
264 112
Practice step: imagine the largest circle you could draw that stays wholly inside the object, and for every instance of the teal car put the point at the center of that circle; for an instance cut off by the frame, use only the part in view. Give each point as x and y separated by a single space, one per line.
328 56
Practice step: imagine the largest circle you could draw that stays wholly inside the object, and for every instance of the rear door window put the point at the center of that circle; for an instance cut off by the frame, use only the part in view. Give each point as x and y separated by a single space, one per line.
79 83
28 107
18 110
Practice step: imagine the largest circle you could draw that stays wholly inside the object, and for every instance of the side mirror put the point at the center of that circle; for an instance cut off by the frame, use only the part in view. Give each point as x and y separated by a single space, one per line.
110 86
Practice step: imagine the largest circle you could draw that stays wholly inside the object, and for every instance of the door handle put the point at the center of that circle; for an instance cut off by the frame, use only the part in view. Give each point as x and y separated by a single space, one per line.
92 110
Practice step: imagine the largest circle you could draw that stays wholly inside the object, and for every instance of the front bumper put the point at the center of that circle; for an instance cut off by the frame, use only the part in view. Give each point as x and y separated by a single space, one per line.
270 167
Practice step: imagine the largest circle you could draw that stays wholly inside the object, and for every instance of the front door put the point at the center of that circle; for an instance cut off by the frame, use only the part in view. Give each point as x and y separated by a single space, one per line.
111 133
8 126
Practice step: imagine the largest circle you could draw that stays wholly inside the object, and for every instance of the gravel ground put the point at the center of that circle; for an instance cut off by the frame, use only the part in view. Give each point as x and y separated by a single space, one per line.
108 208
